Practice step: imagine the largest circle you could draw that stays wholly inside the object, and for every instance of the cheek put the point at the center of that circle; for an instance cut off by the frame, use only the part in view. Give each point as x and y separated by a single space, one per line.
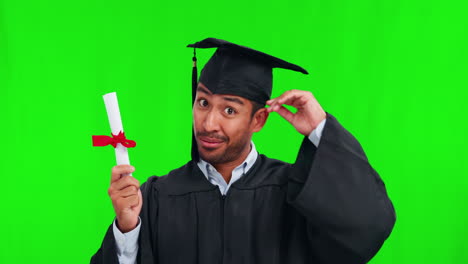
236 128
196 118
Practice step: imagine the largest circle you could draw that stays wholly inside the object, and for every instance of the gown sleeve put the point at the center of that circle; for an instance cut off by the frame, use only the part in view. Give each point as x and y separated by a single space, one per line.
341 197
107 253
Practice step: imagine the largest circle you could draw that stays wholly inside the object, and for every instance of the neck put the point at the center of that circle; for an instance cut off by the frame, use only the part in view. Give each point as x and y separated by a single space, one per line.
225 169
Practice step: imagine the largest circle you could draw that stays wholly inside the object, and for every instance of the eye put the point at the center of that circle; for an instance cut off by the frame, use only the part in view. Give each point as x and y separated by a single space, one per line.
203 103
229 111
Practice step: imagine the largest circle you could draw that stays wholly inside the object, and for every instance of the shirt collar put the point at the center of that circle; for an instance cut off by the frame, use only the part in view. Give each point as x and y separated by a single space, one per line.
246 164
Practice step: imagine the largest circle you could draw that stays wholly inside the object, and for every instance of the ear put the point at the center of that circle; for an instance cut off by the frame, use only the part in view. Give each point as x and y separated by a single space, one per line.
259 119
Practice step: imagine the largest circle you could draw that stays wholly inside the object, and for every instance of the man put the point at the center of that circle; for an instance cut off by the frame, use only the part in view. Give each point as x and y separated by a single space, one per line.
230 204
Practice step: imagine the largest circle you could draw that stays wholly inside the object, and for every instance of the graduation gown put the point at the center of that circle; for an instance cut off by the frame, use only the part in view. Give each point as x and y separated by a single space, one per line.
330 206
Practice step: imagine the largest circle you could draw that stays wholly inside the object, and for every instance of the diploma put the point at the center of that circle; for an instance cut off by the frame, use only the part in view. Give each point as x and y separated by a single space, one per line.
118 140
113 112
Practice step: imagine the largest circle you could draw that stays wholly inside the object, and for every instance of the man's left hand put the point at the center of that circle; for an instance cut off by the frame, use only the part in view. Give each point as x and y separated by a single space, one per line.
309 112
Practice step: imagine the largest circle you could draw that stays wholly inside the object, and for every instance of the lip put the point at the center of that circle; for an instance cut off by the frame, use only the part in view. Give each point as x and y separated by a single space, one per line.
208 142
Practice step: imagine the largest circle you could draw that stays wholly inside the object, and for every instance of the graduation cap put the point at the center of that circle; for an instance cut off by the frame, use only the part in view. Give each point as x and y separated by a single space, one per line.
236 70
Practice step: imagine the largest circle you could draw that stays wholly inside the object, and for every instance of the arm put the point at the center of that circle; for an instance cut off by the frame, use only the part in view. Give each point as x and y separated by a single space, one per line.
342 198
127 201
132 223
344 203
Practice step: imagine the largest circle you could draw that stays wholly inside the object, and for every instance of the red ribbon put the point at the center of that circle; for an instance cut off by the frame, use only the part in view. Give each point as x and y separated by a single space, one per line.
100 141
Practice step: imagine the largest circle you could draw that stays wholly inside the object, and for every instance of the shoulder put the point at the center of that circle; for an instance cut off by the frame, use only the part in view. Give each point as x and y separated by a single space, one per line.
173 175
268 164
185 179
266 171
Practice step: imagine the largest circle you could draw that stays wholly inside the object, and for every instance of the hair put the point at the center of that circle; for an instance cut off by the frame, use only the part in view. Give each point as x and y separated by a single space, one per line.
255 107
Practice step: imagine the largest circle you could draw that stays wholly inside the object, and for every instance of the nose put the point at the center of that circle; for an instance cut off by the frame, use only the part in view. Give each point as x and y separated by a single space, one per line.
211 122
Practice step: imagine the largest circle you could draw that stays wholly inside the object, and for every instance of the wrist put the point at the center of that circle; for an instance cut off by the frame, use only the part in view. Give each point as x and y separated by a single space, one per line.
315 123
127 226
319 119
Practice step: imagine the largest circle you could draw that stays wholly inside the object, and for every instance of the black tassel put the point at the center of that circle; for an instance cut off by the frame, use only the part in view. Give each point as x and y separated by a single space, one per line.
194 151
194 75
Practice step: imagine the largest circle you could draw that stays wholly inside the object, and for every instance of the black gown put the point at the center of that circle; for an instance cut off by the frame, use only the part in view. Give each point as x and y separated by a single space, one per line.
330 206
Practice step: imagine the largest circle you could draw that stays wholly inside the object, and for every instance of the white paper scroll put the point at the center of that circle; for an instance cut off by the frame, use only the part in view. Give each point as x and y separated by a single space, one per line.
113 112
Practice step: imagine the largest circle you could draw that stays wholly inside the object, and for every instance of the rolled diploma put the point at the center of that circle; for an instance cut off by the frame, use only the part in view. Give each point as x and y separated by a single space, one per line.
113 112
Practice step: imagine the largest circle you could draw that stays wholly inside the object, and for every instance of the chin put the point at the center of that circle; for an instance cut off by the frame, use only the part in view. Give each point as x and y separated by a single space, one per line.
212 157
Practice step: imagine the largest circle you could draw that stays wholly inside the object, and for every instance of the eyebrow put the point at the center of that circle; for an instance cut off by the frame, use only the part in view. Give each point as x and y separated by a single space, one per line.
232 99
203 90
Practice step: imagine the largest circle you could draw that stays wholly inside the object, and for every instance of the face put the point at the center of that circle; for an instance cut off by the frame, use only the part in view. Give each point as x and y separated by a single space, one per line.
223 126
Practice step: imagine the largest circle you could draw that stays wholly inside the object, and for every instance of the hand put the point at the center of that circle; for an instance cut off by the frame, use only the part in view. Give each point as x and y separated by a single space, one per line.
309 112
125 194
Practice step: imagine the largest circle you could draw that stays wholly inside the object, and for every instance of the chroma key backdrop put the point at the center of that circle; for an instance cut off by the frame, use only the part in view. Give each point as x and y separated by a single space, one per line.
394 73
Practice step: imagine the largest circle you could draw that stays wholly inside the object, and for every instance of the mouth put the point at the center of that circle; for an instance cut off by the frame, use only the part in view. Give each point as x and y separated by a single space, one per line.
210 143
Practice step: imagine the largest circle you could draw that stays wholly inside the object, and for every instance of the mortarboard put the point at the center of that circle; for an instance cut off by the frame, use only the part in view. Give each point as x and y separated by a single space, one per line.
239 70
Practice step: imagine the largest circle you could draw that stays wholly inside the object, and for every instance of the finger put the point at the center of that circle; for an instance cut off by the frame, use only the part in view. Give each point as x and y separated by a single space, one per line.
283 95
272 104
269 102
275 107
133 200
118 170
128 191
293 99
125 182
285 113
127 202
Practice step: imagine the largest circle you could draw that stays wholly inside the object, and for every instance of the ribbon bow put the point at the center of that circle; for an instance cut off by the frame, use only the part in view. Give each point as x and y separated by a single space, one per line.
100 141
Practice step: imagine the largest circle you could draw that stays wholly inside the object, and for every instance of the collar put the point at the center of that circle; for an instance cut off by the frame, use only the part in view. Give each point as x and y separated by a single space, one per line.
238 172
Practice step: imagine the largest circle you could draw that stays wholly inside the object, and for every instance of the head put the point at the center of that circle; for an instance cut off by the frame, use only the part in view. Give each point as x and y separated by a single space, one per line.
224 124
224 112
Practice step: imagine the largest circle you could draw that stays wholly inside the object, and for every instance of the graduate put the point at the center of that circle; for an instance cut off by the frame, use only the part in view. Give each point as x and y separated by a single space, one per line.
232 205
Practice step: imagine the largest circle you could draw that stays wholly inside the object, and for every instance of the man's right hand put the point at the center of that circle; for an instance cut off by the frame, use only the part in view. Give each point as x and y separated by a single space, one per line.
125 194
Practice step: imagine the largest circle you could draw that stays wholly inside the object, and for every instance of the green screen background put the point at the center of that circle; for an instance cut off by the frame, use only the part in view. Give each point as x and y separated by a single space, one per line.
392 72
